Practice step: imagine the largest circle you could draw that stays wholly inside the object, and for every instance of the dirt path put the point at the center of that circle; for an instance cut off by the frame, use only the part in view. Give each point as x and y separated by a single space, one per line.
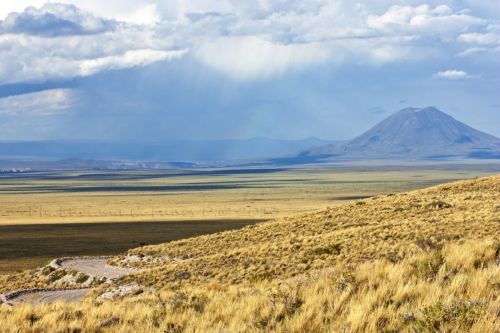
51 296
91 266
96 267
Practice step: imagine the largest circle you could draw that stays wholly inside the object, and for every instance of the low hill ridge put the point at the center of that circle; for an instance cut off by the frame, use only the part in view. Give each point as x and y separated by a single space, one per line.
387 226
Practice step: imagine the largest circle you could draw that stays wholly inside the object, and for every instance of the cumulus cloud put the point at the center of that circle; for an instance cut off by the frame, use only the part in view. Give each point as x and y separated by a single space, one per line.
484 41
440 20
59 41
267 40
147 14
42 103
28 58
453 74
243 41
55 19
480 38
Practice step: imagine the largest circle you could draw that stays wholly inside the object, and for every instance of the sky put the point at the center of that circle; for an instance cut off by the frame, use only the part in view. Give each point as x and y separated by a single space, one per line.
150 71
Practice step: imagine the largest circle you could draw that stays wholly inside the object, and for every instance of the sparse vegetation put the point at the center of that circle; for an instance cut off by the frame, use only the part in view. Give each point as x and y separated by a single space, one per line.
376 296
353 268
349 234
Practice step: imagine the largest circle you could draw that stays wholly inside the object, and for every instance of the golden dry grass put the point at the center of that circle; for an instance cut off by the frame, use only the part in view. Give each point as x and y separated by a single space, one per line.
455 289
423 261
388 226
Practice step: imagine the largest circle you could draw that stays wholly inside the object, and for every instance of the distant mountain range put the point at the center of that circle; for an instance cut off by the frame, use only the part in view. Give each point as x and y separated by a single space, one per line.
410 134
413 133
193 151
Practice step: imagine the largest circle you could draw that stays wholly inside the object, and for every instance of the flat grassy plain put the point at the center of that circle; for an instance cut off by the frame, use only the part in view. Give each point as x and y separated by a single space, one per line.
173 195
51 214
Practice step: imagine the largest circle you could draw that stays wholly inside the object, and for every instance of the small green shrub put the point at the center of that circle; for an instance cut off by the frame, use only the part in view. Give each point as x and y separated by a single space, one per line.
182 301
330 249
461 316
438 205
173 328
47 270
82 278
428 268
56 275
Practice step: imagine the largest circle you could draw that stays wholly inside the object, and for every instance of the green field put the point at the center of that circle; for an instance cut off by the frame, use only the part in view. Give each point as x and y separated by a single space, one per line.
51 214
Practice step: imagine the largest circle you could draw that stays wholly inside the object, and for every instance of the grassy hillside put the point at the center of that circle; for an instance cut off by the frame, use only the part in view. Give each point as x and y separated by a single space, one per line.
421 261
385 227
